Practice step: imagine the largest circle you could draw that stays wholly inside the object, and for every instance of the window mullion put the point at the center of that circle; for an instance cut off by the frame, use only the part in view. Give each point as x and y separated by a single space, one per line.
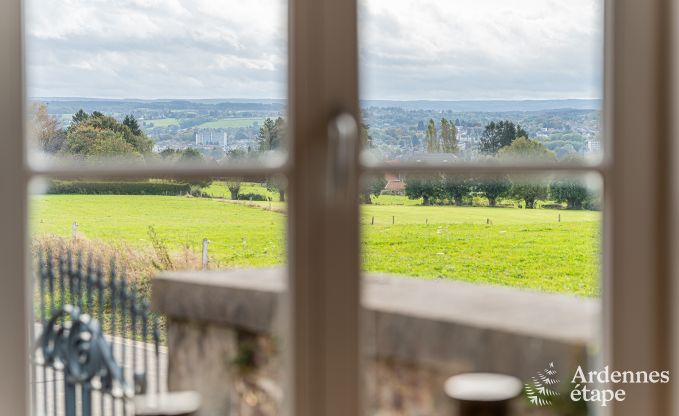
14 286
638 215
323 234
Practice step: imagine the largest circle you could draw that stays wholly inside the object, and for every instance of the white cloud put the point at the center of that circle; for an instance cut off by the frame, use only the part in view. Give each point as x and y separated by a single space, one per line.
481 49
411 49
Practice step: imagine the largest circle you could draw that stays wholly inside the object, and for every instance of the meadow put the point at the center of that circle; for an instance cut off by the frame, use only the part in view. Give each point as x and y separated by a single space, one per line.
547 250
163 122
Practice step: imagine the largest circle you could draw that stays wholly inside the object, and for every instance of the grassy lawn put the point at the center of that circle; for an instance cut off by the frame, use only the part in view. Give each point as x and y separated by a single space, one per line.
238 235
163 122
231 122
521 248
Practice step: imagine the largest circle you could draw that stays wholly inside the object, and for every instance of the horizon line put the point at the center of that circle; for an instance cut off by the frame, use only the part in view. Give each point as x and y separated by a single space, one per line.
285 99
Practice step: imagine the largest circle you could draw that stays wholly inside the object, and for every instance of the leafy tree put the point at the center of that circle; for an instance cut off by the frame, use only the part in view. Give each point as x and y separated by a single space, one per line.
498 135
275 184
524 148
373 185
270 134
169 154
432 142
79 117
571 191
193 156
424 187
189 155
44 129
233 185
525 188
528 190
494 188
455 188
89 141
85 125
270 137
448 137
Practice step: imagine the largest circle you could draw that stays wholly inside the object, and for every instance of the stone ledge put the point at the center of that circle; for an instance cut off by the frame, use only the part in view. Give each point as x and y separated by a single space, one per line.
416 333
243 298
249 299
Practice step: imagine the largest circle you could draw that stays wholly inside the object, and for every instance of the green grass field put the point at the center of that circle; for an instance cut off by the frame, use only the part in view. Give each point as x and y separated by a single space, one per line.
231 122
521 248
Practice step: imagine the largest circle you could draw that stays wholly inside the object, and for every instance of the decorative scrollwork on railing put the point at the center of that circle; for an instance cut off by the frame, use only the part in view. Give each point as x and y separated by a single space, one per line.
73 341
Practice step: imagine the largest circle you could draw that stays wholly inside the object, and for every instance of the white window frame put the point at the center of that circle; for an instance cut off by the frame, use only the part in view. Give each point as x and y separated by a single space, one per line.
640 230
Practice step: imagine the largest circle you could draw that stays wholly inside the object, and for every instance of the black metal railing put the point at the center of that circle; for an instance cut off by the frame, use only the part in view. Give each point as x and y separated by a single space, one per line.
97 345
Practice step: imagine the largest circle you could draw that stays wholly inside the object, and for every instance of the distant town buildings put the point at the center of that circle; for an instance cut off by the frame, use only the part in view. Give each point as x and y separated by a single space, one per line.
593 146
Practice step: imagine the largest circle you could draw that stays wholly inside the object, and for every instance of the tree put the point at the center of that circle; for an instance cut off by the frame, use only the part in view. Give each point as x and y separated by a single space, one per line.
432 139
276 184
44 129
455 188
494 188
233 185
193 156
373 185
571 191
528 191
189 155
139 144
89 141
498 135
79 117
270 134
423 187
132 123
524 148
448 137
526 188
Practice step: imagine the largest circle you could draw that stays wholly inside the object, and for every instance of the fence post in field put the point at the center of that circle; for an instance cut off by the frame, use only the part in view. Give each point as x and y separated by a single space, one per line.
372 222
393 219
74 230
559 218
205 256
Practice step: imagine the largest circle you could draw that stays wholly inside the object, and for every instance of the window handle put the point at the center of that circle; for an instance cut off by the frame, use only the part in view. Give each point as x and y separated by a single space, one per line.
342 151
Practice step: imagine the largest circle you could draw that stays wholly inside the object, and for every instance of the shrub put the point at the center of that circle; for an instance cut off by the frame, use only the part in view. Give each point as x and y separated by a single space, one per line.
551 206
252 197
118 188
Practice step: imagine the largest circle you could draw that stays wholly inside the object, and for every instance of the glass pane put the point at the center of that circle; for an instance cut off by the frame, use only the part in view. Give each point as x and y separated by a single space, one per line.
141 82
467 274
180 278
463 81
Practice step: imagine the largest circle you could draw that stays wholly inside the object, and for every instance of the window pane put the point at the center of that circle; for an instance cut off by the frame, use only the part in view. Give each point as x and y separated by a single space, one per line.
461 81
206 254
470 273
134 81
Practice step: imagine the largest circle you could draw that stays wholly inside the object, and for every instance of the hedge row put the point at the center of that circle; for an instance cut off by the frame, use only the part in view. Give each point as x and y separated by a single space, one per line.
118 188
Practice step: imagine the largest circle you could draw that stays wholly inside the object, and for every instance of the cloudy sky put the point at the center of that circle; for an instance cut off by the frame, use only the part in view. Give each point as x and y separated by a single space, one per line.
410 49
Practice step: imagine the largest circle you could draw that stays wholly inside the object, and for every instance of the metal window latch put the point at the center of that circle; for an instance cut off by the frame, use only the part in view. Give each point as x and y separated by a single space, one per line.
342 151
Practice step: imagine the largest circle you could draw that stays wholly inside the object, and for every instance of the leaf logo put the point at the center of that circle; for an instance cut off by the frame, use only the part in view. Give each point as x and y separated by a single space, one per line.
540 392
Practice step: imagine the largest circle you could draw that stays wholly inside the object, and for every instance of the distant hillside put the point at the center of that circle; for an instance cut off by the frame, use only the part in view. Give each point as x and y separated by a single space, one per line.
492 106
71 105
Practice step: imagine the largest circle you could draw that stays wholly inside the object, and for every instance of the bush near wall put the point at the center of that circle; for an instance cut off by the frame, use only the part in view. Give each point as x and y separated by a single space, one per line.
118 188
